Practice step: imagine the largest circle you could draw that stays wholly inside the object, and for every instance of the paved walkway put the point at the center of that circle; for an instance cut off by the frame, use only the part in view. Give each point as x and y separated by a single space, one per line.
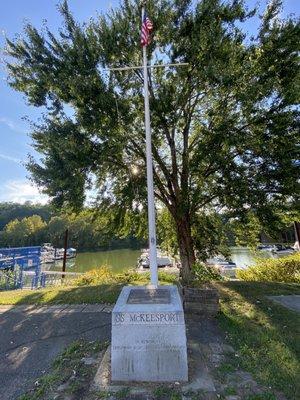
291 301
64 308
31 337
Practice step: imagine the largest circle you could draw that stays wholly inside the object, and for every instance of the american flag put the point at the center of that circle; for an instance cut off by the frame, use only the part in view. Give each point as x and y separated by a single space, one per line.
147 28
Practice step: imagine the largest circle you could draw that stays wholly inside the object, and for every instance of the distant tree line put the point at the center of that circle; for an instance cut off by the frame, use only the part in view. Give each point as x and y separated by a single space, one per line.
10 211
33 225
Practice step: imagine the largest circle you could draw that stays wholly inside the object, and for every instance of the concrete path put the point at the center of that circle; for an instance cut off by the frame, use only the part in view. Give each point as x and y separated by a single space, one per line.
31 337
291 301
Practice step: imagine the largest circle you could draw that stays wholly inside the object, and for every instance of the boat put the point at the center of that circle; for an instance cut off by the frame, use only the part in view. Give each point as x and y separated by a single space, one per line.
50 254
162 260
277 248
225 267
280 249
266 247
59 253
47 253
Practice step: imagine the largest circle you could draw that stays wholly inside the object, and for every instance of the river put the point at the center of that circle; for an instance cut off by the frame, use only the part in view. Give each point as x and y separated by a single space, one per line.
124 259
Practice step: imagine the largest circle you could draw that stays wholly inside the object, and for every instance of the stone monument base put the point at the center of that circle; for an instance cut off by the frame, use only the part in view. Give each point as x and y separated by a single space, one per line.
148 336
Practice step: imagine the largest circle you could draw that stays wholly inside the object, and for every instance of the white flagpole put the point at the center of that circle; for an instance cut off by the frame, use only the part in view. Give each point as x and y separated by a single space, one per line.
151 207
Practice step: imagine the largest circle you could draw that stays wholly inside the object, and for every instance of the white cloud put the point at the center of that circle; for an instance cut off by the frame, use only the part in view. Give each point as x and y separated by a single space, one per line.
9 158
20 191
12 125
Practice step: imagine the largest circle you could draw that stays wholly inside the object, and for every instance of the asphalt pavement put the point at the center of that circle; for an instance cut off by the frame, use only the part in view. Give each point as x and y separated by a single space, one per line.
30 338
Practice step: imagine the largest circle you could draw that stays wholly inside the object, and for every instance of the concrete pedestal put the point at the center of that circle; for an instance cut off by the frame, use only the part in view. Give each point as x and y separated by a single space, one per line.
148 336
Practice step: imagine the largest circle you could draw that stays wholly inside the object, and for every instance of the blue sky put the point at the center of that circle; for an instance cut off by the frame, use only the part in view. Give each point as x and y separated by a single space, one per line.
14 139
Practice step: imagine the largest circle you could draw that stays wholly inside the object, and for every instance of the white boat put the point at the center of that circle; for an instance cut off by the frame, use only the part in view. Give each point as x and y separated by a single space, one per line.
277 248
59 253
283 250
162 260
50 254
47 253
266 247
225 267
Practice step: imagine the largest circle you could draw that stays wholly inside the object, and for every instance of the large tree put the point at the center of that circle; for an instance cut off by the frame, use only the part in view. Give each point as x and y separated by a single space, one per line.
225 128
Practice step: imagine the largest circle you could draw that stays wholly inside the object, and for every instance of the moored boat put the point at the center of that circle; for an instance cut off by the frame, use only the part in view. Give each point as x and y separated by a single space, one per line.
50 254
277 248
225 267
162 260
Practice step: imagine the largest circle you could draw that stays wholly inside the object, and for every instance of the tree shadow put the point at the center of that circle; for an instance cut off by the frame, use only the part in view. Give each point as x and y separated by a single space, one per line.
265 333
30 340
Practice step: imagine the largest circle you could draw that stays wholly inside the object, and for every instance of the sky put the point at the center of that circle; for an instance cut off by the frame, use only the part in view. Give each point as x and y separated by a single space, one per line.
15 114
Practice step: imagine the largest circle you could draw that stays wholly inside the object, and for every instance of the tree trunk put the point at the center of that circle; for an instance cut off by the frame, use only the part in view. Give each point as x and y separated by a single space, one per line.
186 248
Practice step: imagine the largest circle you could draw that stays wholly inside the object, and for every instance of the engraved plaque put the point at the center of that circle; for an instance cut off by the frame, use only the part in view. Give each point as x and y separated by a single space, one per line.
148 336
149 296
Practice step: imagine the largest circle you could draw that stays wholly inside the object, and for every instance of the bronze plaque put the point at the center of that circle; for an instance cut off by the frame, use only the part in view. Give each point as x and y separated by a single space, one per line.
149 296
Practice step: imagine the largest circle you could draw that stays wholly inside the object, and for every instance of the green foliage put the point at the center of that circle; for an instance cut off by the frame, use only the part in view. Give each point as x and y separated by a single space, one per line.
88 230
265 336
225 128
7 278
28 231
210 234
247 231
12 211
64 367
166 232
95 277
262 396
285 269
205 274
123 394
104 275
166 392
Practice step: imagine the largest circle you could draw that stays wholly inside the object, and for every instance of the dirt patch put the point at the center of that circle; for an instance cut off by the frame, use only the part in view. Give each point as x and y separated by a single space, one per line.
214 373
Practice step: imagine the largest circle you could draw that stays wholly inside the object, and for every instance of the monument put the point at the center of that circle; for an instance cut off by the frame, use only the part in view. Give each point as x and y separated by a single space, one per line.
148 336
148 327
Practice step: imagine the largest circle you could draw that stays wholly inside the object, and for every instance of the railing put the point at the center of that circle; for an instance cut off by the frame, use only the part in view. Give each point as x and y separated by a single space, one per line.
55 278
24 257
20 279
20 267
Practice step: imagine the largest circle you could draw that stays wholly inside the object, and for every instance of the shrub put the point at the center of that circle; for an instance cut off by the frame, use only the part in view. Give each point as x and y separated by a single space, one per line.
104 275
167 277
132 276
95 277
285 269
205 274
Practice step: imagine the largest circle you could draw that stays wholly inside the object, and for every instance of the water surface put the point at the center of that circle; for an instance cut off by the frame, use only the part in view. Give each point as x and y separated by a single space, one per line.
124 259
118 260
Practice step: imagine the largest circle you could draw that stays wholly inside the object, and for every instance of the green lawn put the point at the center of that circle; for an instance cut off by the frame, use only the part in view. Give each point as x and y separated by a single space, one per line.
266 335
93 287
104 293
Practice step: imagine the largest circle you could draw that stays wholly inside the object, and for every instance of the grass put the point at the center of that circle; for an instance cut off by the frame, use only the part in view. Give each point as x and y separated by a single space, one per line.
106 293
99 286
266 335
166 393
70 370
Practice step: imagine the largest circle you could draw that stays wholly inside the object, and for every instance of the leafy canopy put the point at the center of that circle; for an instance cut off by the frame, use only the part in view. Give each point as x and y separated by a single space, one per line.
225 129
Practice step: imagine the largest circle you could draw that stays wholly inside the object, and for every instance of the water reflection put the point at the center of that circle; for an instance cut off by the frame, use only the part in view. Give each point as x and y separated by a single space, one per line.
121 260
118 260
